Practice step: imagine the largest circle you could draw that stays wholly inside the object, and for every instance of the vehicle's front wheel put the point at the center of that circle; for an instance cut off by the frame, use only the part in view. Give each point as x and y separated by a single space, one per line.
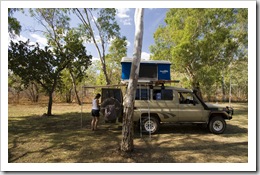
150 125
217 125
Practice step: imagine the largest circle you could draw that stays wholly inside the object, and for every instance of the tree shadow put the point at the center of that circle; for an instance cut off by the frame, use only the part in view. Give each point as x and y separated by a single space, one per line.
66 132
70 132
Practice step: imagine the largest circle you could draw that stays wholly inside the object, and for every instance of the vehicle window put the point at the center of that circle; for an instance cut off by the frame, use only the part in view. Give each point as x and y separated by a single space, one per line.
163 94
142 94
187 98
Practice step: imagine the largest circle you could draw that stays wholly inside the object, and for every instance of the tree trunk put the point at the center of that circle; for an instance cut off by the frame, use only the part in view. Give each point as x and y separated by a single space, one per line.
18 97
50 95
223 89
105 72
50 104
68 96
91 32
127 144
75 87
33 92
36 97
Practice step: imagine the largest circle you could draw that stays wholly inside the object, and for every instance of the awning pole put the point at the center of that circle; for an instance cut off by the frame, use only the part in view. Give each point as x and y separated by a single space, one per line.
81 104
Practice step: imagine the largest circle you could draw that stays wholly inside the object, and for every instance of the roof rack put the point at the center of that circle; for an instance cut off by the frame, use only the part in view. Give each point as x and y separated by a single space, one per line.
104 86
151 82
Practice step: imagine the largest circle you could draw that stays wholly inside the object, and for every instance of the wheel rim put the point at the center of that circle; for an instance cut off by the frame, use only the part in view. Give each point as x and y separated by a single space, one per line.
218 125
149 126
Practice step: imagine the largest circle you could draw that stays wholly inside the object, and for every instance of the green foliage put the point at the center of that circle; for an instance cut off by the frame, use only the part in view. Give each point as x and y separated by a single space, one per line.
117 50
15 85
202 43
14 26
32 63
15 81
51 19
66 42
106 24
238 74
92 74
75 49
65 86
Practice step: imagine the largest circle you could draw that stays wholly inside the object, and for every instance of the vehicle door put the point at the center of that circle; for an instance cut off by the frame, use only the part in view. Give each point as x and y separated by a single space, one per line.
142 102
190 108
165 104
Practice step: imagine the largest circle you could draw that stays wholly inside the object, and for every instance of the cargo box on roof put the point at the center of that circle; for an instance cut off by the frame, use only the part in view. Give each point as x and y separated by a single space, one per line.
151 70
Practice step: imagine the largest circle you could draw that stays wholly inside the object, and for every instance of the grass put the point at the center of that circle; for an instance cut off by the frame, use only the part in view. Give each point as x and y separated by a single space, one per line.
66 138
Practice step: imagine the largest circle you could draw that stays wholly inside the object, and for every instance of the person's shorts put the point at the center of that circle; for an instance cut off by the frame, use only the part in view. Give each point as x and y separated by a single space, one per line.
95 113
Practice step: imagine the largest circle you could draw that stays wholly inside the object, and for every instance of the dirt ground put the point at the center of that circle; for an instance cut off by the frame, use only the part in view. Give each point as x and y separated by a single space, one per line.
66 138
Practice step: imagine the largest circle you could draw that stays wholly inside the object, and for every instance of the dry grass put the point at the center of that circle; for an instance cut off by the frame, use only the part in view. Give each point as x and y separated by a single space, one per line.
60 138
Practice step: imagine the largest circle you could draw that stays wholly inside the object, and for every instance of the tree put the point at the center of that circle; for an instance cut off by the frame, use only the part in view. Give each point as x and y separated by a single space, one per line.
44 66
14 26
77 68
66 42
33 92
199 42
32 63
127 144
65 87
15 85
117 50
106 26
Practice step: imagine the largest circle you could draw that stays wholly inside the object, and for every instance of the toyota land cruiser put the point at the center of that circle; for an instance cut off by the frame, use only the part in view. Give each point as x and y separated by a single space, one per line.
155 105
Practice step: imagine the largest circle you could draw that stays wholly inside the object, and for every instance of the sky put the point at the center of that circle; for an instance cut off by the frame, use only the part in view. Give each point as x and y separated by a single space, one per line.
153 18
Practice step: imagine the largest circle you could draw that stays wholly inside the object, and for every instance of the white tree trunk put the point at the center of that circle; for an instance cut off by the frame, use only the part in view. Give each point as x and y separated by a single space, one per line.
127 130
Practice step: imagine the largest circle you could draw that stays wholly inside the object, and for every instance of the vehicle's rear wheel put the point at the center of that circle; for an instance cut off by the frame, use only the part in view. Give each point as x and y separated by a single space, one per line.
150 125
217 125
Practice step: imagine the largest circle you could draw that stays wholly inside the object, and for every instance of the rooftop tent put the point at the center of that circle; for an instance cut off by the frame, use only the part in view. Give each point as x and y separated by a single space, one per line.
152 70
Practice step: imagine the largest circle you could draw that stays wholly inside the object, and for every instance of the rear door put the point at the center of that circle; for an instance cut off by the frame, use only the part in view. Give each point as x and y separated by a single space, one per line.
112 93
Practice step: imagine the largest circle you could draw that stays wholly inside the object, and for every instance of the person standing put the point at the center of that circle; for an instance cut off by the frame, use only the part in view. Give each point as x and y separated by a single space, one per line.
95 112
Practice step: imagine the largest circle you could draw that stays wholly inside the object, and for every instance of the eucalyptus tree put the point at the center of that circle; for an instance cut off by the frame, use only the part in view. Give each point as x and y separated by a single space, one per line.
127 144
80 60
117 50
66 42
199 42
106 26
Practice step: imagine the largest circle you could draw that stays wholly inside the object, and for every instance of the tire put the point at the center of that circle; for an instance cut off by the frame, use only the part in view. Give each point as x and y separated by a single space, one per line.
113 108
150 126
217 125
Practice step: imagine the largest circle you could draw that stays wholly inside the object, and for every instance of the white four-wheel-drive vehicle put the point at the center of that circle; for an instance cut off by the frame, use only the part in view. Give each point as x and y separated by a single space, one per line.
156 104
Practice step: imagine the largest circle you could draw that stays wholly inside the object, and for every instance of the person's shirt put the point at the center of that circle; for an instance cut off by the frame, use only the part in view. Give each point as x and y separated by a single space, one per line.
95 104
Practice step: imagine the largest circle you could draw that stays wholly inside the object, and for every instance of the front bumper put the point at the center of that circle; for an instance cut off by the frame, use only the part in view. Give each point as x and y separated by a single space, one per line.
229 111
